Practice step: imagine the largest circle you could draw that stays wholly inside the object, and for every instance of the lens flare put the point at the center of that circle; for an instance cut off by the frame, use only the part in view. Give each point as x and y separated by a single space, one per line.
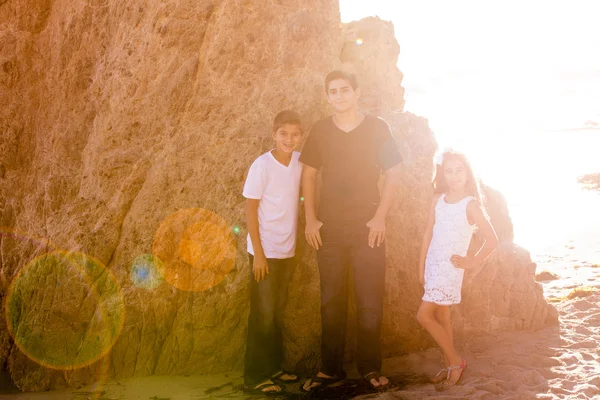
197 248
64 310
145 271
359 42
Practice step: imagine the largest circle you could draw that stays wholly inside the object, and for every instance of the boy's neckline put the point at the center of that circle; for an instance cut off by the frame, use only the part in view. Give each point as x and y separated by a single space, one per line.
289 161
363 117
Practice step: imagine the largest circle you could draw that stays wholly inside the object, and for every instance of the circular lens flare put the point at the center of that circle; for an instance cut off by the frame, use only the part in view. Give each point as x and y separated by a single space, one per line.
145 271
359 42
64 310
197 248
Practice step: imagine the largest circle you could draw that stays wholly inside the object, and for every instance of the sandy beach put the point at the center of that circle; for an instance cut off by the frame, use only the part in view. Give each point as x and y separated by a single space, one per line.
561 362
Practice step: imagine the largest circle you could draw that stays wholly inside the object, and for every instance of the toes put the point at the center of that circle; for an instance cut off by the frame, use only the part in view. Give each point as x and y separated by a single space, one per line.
383 380
309 384
375 382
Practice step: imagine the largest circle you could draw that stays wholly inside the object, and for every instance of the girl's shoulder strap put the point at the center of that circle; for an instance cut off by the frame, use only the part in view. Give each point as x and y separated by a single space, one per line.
468 199
440 199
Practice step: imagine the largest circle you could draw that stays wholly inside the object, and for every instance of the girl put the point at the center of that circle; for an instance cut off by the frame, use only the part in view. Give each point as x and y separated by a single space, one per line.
455 211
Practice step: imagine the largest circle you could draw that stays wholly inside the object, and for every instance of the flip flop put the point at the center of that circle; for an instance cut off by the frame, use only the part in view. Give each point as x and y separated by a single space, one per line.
440 376
375 375
261 389
277 377
461 367
322 381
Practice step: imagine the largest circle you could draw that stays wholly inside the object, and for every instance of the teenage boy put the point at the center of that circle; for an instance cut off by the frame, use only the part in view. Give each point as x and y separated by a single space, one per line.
351 149
272 190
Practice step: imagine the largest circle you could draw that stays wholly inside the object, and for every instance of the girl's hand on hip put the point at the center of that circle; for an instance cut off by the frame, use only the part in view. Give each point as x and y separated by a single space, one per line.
462 262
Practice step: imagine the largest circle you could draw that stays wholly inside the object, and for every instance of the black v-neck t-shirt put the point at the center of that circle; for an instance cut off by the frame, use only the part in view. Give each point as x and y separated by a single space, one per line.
351 164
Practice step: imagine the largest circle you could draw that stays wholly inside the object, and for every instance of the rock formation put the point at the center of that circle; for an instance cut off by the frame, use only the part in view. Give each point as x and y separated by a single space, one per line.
126 129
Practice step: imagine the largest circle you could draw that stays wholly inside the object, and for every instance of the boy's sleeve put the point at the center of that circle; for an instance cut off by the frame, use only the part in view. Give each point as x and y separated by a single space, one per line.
389 155
311 153
255 182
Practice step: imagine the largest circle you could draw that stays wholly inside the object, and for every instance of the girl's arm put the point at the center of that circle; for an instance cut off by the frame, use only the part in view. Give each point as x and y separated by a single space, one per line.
475 214
260 267
427 237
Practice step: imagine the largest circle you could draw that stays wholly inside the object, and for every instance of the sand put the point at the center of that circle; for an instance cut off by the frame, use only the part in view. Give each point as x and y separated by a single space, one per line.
561 362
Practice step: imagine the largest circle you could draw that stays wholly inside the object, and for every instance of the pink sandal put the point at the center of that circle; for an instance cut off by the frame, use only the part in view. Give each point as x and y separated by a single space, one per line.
440 376
461 367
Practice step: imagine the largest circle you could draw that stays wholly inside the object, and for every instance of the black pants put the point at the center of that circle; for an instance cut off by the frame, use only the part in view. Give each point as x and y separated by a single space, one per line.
264 349
347 247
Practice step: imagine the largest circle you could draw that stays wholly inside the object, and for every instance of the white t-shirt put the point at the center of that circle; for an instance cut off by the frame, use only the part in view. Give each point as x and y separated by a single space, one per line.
278 188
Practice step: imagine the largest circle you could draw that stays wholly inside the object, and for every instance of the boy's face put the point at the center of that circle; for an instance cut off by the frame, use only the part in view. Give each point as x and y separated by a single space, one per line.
287 137
341 95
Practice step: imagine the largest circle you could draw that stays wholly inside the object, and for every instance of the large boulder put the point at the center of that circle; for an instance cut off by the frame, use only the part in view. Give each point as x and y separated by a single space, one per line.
126 130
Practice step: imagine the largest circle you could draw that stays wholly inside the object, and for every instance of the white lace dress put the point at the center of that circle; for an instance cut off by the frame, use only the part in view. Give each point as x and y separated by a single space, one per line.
451 235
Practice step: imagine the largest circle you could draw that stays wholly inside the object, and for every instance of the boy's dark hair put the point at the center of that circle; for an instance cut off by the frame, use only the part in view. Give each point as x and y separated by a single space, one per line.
337 74
286 117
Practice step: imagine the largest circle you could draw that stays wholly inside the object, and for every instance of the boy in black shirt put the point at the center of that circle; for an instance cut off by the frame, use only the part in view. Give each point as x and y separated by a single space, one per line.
351 149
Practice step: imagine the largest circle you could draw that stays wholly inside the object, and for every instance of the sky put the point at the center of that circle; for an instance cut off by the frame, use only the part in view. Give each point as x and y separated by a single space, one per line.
501 81
536 64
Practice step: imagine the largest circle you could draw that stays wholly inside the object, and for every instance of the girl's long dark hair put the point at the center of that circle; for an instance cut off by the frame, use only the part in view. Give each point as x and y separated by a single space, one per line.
472 186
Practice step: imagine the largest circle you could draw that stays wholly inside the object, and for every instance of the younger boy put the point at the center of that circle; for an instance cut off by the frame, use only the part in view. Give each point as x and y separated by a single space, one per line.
272 191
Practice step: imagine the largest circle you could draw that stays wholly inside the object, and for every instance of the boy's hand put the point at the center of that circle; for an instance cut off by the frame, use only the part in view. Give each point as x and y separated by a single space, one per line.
376 231
313 237
260 267
462 262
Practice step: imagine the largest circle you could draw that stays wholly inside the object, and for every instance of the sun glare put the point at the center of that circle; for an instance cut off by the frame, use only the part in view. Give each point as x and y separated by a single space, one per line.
511 84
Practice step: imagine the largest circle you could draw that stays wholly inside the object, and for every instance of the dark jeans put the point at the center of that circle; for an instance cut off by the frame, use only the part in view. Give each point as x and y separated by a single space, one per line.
264 349
347 247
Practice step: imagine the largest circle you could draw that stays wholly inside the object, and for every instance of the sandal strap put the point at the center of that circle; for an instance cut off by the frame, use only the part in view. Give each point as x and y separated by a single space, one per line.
462 365
372 375
265 388
265 385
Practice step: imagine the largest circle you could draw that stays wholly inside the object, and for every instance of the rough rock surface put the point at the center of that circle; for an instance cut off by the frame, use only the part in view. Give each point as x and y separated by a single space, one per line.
116 118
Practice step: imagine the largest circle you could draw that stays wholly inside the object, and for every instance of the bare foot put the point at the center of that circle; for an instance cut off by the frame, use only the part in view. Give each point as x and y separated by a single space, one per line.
383 380
311 384
267 386
284 377
378 380
441 376
287 377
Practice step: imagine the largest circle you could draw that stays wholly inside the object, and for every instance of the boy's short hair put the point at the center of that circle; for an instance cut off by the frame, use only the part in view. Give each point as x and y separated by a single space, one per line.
286 117
337 74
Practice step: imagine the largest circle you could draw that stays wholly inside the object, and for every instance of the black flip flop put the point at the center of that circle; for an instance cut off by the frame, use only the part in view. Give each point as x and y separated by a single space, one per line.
260 389
322 381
